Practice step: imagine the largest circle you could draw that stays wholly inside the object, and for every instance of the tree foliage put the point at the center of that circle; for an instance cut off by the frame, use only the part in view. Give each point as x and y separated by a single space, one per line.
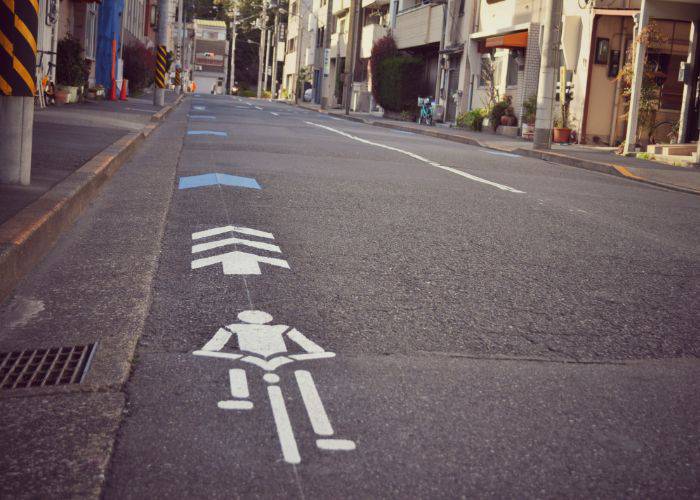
139 65
72 69
396 79
382 49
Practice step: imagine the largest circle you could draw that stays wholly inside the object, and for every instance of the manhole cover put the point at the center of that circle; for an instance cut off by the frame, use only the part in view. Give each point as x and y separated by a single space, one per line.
44 367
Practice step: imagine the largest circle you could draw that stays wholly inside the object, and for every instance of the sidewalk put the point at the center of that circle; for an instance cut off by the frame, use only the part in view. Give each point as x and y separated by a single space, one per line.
67 136
76 149
686 179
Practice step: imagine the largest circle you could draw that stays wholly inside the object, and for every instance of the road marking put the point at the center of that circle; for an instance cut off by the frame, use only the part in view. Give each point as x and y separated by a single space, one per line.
258 107
423 159
213 354
203 247
235 405
265 345
236 229
241 107
335 444
314 406
625 172
336 119
202 117
239 383
199 108
273 113
207 132
215 179
236 262
239 263
501 153
290 452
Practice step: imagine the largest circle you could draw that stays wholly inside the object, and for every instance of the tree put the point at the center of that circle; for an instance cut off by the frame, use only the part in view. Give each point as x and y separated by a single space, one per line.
382 49
652 80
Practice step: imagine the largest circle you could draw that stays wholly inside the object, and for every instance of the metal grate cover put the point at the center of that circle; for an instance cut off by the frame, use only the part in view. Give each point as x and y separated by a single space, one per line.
45 367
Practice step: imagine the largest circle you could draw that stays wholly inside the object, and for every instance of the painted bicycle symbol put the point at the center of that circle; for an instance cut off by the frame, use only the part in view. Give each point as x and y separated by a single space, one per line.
265 346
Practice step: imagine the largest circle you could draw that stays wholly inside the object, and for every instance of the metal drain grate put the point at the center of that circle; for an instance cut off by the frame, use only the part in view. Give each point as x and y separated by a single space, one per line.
45 367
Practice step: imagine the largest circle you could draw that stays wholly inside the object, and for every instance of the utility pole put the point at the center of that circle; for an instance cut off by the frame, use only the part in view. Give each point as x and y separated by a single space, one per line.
326 52
268 50
275 42
439 75
351 52
18 26
163 13
261 49
548 70
300 36
180 43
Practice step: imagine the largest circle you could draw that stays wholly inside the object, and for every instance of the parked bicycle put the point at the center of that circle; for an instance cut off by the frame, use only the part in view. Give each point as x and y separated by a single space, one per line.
426 110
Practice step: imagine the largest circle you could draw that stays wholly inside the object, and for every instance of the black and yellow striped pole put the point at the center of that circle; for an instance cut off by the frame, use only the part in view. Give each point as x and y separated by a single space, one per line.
160 66
178 79
18 30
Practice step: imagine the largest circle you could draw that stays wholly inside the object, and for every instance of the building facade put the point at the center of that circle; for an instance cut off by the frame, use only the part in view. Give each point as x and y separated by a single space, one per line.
210 56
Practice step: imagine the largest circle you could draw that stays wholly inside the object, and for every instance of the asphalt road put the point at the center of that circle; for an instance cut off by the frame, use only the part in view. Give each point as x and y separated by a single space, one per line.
501 326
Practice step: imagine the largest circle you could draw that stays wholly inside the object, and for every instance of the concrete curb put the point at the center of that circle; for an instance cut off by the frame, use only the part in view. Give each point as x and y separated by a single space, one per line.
28 236
562 159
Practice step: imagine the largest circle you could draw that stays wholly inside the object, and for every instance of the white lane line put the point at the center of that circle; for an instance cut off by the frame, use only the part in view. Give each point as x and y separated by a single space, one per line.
314 406
334 118
273 113
239 383
335 444
420 158
290 452
501 153
258 107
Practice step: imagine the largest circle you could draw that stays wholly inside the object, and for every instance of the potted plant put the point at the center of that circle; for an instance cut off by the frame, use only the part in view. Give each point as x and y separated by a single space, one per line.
529 116
561 131
72 69
509 119
497 111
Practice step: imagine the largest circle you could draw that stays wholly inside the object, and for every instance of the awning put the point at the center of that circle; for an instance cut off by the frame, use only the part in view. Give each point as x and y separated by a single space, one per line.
508 41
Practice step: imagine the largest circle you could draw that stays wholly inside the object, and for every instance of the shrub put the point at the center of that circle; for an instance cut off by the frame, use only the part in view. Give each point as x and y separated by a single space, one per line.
530 110
72 69
397 89
139 66
473 119
253 93
382 49
497 111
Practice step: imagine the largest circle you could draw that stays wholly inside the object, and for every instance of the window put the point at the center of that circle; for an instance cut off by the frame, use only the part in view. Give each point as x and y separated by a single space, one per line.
90 29
293 9
320 35
512 75
290 45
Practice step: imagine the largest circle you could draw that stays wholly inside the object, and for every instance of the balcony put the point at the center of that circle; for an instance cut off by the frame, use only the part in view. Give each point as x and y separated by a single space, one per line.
370 33
374 3
339 6
338 42
418 26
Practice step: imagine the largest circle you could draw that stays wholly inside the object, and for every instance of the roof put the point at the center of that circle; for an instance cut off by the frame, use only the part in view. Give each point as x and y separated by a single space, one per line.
207 22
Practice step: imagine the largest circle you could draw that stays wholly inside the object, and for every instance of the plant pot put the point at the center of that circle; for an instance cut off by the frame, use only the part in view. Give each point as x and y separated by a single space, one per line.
528 131
62 96
508 120
72 93
561 135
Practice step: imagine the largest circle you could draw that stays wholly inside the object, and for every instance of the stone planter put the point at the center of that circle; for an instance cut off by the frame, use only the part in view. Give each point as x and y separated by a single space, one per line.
528 131
72 93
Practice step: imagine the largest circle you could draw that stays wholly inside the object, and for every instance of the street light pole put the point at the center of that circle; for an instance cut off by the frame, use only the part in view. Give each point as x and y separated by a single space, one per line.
275 44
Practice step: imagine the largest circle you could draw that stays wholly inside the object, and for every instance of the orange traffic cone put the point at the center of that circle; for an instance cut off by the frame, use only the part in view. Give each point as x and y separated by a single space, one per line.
122 94
113 91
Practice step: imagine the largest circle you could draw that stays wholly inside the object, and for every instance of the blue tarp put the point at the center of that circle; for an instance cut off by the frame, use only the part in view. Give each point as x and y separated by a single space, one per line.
109 28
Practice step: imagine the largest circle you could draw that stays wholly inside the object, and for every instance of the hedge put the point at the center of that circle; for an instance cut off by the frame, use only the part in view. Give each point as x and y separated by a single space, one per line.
398 90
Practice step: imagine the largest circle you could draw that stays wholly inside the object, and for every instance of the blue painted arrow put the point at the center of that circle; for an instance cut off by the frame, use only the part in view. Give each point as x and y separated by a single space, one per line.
206 132
194 181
